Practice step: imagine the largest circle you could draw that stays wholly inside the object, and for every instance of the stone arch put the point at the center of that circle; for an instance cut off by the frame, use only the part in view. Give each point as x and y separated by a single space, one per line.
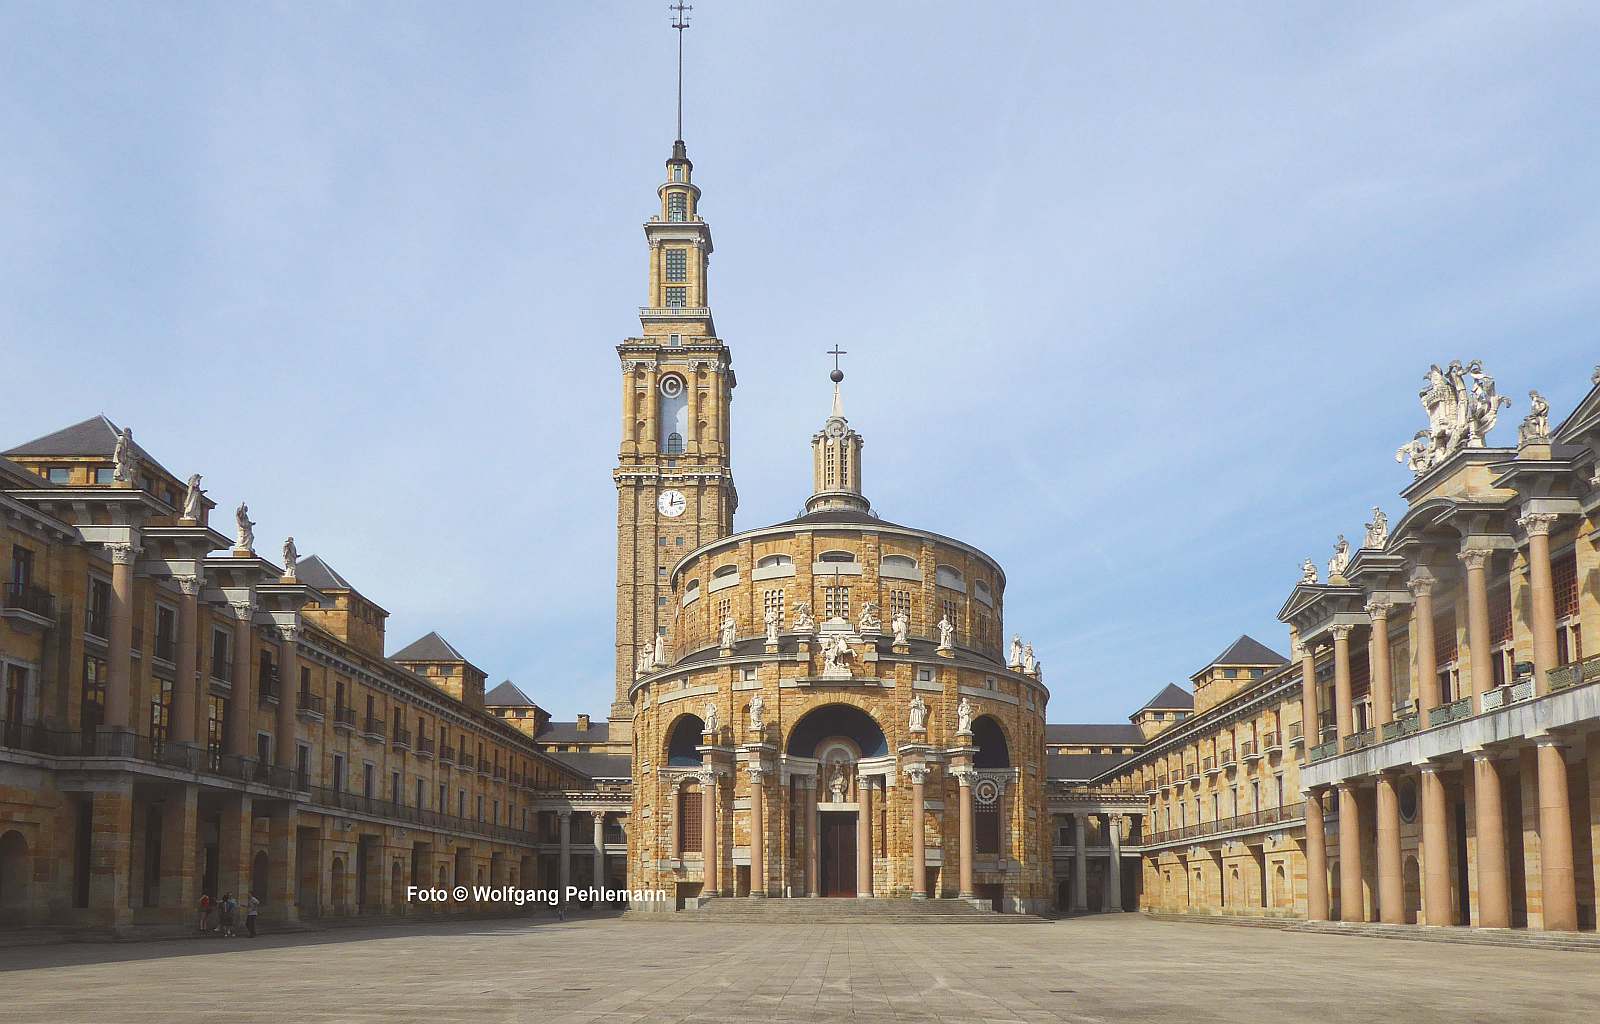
444 876
989 736
836 718
16 878
684 737
1280 888
337 883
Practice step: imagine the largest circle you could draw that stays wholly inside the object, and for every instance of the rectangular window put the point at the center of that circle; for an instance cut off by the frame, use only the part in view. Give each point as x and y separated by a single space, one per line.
160 710
986 829
836 602
21 567
338 773
422 793
677 207
220 667
394 788
302 764
60 475
99 610
366 781
772 601
688 820
104 475
263 747
900 604
677 265
92 708
166 633
677 298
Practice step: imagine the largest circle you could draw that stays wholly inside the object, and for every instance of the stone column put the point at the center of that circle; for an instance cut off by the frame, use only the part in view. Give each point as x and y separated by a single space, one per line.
708 834
1555 839
630 407
181 718
813 838
1391 890
180 876
1477 560
1316 859
918 774
1308 697
1436 906
1378 657
119 645
1494 899
1113 899
566 851
1344 708
288 691
758 834
1427 666
691 441
1080 865
652 410
963 776
110 854
241 707
234 842
864 837
599 849
1542 589
283 871
1351 903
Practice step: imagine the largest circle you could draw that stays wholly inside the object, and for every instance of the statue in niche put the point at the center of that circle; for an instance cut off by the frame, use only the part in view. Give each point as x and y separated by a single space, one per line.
901 626
244 529
729 628
919 714
758 707
712 726
947 634
964 718
869 621
804 622
835 653
191 498
772 620
838 784
1015 660
1377 530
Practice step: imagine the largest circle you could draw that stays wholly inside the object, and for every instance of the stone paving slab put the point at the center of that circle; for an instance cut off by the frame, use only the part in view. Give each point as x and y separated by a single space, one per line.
609 970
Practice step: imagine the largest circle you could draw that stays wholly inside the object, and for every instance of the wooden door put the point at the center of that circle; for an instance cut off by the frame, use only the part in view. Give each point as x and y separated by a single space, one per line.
838 853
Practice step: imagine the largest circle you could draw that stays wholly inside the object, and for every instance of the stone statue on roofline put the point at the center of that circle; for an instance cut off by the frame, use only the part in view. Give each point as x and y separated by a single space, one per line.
869 621
947 634
191 498
124 464
1340 560
1015 658
729 628
291 555
758 707
1377 530
1536 425
1308 573
804 621
771 620
244 530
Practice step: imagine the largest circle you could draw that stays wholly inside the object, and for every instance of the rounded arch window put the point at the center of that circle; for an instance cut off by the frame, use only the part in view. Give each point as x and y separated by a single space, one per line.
774 562
724 571
981 591
837 555
949 576
674 443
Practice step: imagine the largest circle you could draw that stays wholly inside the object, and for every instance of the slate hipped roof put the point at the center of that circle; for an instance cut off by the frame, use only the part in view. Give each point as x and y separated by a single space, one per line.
597 766
1247 651
1113 733
96 435
432 647
319 575
506 695
1081 767
1173 697
568 732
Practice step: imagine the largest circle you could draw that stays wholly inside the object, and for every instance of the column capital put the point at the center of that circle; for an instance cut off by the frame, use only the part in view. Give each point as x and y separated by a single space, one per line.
963 774
123 554
756 773
917 773
189 586
1537 524
1545 739
564 814
1379 607
289 634
1420 586
1340 631
598 815
1475 558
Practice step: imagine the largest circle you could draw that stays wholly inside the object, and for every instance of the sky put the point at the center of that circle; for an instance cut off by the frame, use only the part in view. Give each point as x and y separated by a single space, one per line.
1137 298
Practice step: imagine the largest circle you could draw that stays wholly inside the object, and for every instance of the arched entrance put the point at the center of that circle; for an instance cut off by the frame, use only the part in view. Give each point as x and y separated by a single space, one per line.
1411 880
258 875
397 887
336 884
16 878
839 737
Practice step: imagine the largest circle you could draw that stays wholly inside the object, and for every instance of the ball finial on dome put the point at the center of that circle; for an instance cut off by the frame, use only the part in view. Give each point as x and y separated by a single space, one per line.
836 376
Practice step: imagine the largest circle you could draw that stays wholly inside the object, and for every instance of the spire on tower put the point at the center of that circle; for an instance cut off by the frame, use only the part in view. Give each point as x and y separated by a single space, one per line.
680 21
836 456
837 376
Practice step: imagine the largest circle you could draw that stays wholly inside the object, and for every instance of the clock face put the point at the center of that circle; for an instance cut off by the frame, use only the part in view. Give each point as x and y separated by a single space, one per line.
671 504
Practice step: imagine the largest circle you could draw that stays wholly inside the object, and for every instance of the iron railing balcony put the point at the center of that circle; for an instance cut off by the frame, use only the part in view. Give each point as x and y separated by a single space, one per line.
447 755
1297 732
1573 673
373 728
222 669
424 746
499 773
465 762
401 739
344 718
310 705
267 688
1322 751
1403 726
30 598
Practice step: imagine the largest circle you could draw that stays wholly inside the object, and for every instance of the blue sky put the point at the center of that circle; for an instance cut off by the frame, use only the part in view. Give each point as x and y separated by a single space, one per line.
1137 299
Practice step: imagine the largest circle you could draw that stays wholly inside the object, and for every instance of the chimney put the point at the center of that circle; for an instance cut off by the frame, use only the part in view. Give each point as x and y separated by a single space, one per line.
583 723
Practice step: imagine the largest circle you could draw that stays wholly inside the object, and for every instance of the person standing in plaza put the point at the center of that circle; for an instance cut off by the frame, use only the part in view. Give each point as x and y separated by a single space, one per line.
205 913
229 907
252 908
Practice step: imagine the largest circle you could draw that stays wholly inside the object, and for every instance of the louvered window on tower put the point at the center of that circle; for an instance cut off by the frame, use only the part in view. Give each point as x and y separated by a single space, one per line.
677 207
677 265
676 297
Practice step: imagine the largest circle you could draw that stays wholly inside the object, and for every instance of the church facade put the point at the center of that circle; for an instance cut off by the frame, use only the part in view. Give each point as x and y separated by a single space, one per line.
821 707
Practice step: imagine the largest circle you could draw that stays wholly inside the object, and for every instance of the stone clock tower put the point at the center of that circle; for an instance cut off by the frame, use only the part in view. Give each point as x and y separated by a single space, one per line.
674 485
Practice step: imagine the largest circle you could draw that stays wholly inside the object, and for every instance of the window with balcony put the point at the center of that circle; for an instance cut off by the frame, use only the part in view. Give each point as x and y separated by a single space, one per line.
1569 631
1445 655
160 710
221 664
92 700
677 297
166 633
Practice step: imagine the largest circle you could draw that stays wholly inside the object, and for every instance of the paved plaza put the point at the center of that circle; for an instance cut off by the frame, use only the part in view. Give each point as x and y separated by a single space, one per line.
1122 968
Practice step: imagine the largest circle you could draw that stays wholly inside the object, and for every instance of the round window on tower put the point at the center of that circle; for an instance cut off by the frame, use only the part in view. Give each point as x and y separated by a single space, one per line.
671 386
